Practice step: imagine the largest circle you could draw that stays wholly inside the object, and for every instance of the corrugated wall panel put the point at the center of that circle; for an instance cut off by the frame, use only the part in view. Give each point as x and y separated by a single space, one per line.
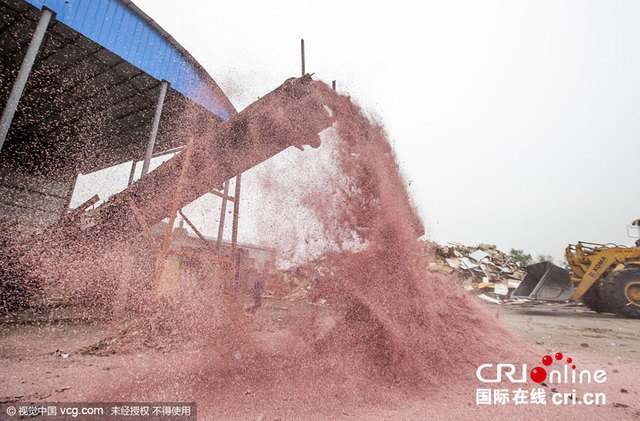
114 26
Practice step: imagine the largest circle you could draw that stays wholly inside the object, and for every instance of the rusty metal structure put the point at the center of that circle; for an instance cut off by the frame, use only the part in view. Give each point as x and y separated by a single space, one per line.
294 114
95 83
88 84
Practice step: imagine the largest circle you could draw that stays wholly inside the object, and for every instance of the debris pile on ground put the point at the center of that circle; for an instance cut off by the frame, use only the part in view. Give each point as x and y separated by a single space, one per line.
297 282
483 269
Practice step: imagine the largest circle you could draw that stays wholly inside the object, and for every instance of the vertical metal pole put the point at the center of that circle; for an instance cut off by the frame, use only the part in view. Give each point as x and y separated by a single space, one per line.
23 74
177 196
223 212
133 172
302 52
175 206
236 276
154 128
234 232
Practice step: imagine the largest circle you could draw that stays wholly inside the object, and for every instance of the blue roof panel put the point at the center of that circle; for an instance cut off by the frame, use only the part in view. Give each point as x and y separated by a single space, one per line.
118 28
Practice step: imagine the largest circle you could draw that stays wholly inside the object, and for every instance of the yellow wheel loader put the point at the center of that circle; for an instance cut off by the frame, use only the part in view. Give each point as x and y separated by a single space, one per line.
605 277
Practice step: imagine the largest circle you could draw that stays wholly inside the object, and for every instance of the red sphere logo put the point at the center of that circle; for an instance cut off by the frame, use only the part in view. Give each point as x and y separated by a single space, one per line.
539 374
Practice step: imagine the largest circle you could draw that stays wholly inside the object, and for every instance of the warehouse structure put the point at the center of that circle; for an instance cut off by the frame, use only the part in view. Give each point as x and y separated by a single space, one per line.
87 84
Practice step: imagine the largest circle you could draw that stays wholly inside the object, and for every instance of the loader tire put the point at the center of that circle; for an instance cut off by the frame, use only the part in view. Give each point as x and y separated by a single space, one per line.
621 291
594 300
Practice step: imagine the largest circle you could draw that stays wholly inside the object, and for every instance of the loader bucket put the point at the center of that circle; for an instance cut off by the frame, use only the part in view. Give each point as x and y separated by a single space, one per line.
545 281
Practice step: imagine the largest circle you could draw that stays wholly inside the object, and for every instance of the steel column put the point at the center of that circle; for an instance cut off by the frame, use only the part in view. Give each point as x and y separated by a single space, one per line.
302 55
234 232
166 241
236 212
154 128
223 211
132 174
23 74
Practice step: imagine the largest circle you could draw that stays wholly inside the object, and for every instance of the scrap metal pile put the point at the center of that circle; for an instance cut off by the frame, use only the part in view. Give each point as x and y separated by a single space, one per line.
483 269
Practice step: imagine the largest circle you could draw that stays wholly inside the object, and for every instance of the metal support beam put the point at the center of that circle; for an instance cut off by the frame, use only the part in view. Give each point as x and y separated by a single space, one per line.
236 213
168 151
234 232
222 195
177 196
143 225
223 212
166 241
132 174
236 276
199 185
154 128
302 54
198 233
25 69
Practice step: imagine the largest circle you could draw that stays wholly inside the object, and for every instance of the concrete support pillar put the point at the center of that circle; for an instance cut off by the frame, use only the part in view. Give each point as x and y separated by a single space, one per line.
23 74
154 128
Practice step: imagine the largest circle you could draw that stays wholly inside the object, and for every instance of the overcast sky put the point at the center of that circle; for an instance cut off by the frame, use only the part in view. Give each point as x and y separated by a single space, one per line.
516 123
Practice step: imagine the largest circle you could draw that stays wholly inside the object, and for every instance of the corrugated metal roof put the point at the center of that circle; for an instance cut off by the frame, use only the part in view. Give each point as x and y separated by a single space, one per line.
124 29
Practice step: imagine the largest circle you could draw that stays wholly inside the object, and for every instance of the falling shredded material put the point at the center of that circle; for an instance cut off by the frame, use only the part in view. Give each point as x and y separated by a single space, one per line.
375 330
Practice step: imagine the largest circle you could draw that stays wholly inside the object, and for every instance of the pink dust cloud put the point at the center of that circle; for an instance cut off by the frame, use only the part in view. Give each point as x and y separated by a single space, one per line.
392 328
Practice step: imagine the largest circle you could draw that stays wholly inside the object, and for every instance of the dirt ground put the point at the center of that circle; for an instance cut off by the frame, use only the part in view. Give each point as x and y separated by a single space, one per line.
39 361
594 336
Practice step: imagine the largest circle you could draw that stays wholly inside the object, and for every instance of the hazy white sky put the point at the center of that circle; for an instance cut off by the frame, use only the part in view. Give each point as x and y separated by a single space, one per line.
517 123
